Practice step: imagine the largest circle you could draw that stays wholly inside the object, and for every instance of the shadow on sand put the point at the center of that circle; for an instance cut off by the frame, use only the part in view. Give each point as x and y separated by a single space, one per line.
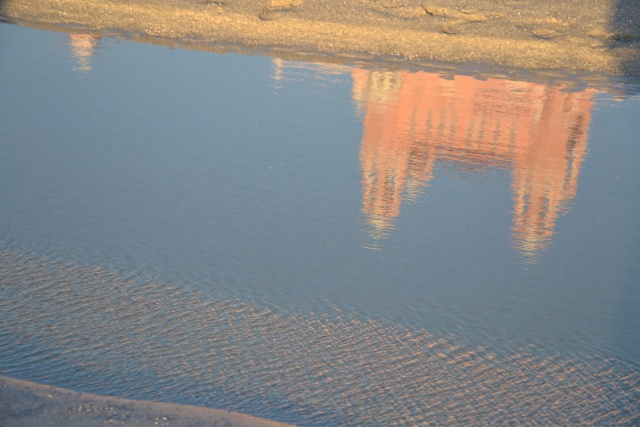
625 32
3 18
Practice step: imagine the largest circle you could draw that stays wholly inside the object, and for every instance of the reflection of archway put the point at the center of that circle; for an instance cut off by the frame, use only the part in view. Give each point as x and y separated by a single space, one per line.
83 47
412 120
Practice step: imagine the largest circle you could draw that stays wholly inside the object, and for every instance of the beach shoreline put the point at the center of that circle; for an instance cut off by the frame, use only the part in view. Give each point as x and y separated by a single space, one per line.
588 36
27 404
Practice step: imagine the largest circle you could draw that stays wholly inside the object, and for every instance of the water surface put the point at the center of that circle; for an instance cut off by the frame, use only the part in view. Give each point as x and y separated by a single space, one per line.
317 244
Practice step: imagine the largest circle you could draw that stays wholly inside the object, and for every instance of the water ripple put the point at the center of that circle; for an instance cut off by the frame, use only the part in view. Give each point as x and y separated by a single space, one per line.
94 330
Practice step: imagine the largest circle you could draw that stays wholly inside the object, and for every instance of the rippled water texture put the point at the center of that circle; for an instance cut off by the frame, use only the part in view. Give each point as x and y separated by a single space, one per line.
156 341
317 244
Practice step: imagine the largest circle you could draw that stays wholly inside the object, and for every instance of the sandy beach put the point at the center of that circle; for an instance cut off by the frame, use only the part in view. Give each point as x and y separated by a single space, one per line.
601 36
26 404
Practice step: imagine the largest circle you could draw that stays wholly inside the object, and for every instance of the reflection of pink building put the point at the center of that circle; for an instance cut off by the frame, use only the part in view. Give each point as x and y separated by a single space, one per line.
413 119
83 47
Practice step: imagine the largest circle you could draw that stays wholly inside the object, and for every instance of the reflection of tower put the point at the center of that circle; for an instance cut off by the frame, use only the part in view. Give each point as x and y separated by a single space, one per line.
83 47
395 162
545 176
412 119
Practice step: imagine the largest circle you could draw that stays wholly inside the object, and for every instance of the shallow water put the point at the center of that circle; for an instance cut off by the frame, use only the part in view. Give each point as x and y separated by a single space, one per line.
317 244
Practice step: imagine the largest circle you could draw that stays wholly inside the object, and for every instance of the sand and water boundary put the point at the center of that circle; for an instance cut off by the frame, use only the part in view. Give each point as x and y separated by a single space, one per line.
27 404
597 36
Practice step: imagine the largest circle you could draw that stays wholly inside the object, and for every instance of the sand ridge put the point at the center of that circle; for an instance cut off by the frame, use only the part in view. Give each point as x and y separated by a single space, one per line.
27 404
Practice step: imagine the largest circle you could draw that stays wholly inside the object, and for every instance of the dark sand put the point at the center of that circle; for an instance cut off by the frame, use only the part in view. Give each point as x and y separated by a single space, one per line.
601 36
25 404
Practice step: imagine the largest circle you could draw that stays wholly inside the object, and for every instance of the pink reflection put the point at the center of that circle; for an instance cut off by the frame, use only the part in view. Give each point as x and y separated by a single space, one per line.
411 120
83 47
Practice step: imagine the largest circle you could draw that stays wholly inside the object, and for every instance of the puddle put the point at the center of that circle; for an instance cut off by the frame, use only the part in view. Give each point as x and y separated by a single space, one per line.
317 244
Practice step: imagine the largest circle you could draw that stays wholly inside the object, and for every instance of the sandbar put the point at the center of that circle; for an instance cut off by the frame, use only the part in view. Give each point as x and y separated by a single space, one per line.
27 404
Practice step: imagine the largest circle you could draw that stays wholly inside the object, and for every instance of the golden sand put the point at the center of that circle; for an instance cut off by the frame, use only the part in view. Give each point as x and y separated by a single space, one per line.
600 36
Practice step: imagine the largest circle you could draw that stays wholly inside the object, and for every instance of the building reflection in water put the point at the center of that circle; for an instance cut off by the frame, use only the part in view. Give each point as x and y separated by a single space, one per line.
412 120
83 47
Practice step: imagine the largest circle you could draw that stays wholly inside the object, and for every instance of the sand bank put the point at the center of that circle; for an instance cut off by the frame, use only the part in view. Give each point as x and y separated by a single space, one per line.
26 404
601 36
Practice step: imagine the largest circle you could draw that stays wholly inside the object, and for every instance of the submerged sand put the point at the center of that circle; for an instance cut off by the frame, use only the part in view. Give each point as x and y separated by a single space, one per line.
600 36
26 404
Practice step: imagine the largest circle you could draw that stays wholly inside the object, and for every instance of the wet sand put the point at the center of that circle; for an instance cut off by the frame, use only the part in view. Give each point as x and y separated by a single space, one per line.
26 404
601 36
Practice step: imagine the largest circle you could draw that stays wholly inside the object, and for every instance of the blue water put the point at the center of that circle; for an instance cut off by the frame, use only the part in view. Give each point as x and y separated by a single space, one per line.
317 244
